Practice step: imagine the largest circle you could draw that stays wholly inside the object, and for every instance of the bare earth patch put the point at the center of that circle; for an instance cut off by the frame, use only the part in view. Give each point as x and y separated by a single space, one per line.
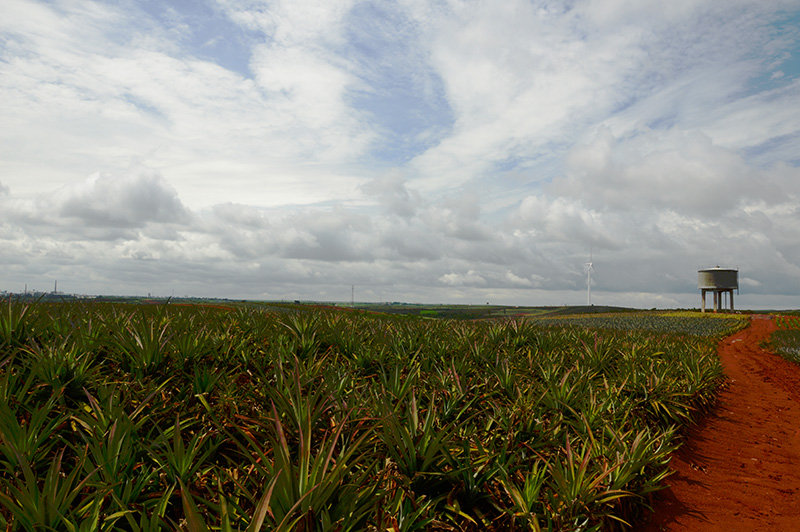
740 468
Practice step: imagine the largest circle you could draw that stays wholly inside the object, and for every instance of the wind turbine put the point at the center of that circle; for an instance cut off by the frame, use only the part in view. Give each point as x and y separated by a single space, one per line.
589 268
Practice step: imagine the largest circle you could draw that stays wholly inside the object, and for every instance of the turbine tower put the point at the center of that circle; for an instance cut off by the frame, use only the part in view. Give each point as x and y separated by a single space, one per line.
589 268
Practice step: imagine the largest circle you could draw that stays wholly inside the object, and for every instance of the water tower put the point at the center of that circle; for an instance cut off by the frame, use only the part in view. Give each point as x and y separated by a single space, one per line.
718 281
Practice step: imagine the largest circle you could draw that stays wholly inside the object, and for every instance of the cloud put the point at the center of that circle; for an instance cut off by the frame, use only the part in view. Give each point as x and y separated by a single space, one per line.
103 208
561 219
516 280
458 217
131 200
525 80
410 243
110 103
422 150
675 170
288 21
469 278
304 81
133 226
393 194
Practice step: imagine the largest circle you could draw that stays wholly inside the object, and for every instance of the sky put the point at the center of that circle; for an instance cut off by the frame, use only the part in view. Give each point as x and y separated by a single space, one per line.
434 151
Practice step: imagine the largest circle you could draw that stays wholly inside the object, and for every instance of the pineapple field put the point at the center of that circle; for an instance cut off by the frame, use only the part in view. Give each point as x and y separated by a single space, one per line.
786 339
165 417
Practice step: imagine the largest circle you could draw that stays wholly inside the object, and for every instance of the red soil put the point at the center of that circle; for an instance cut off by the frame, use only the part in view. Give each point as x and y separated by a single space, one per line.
740 467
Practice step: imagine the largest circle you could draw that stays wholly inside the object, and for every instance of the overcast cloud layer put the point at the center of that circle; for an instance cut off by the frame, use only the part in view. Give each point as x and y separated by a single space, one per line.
421 150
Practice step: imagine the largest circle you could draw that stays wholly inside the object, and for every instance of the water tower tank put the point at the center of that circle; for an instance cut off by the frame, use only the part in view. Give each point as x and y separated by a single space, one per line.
718 279
720 282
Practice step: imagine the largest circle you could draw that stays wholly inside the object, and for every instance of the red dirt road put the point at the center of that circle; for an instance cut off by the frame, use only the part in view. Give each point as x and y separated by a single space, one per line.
740 466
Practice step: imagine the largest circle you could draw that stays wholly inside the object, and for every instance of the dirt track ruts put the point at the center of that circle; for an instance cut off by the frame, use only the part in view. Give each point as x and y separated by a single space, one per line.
740 466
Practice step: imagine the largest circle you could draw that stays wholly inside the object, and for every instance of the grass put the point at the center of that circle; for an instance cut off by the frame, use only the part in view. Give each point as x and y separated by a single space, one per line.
150 417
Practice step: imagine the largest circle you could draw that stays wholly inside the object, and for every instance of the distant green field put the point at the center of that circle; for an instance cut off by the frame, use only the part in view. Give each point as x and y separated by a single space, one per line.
472 312
693 323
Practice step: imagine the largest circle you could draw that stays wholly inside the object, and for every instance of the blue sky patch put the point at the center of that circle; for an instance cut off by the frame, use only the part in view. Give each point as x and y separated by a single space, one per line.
206 33
402 95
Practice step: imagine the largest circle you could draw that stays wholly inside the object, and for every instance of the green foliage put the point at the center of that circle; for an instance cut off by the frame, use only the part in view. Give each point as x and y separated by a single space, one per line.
788 322
163 417
37 503
786 340
14 324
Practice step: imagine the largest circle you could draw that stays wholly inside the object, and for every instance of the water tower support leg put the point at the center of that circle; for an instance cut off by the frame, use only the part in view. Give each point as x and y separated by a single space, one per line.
703 299
716 301
731 292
